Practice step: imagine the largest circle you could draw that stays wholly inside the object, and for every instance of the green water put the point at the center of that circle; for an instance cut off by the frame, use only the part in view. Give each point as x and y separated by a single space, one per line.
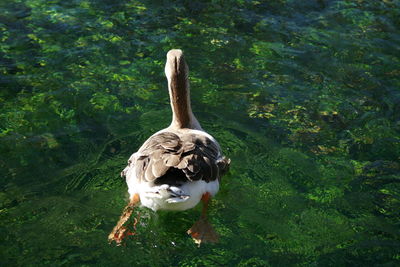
303 96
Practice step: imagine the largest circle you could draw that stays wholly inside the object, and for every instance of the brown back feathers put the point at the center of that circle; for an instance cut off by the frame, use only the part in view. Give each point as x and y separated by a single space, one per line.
195 155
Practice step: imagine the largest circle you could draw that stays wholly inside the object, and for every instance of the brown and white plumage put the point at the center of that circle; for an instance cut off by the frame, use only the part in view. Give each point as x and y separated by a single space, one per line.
196 154
179 165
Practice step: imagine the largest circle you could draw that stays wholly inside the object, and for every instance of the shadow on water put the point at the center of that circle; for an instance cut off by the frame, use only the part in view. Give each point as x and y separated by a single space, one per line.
303 97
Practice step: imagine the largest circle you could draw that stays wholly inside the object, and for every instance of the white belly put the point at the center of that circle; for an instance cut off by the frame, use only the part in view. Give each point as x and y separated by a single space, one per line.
156 201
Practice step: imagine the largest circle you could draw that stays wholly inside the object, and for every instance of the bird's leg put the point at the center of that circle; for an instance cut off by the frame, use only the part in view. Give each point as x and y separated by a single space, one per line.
120 231
202 230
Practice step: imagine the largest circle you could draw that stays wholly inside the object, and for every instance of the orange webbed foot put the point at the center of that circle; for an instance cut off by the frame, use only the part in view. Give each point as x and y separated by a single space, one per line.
202 231
120 231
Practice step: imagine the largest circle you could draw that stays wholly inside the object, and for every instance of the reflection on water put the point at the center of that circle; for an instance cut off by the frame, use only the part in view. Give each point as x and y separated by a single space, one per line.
303 97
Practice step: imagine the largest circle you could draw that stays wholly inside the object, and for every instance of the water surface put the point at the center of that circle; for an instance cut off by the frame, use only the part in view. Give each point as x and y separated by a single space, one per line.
303 97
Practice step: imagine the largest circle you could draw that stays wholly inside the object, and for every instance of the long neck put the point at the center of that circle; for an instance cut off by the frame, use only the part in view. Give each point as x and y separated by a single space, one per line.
179 92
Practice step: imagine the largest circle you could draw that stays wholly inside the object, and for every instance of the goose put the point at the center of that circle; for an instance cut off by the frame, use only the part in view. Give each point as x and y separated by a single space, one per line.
177 167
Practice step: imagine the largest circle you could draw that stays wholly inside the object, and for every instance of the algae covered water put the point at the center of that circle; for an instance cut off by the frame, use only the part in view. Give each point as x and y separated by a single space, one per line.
303 96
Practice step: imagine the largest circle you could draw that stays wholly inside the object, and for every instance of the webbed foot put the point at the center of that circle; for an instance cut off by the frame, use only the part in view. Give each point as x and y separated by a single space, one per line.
120 231
202 231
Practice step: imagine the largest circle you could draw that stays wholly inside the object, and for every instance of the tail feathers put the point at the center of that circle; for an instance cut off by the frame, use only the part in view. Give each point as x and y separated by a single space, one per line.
171 194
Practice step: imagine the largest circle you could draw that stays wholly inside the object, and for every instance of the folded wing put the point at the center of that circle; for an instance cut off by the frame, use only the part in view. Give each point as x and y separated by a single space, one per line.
197 156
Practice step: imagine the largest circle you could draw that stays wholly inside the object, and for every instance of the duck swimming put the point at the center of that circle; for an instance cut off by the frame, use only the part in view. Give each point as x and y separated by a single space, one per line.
177 167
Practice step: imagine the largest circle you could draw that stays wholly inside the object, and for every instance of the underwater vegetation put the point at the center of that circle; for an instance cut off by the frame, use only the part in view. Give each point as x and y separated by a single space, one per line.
304 97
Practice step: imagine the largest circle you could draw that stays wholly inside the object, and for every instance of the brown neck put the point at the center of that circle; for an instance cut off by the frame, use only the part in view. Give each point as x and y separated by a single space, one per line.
177 72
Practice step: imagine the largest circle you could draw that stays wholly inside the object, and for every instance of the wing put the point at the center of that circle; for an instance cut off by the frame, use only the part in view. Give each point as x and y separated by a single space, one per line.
196 155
